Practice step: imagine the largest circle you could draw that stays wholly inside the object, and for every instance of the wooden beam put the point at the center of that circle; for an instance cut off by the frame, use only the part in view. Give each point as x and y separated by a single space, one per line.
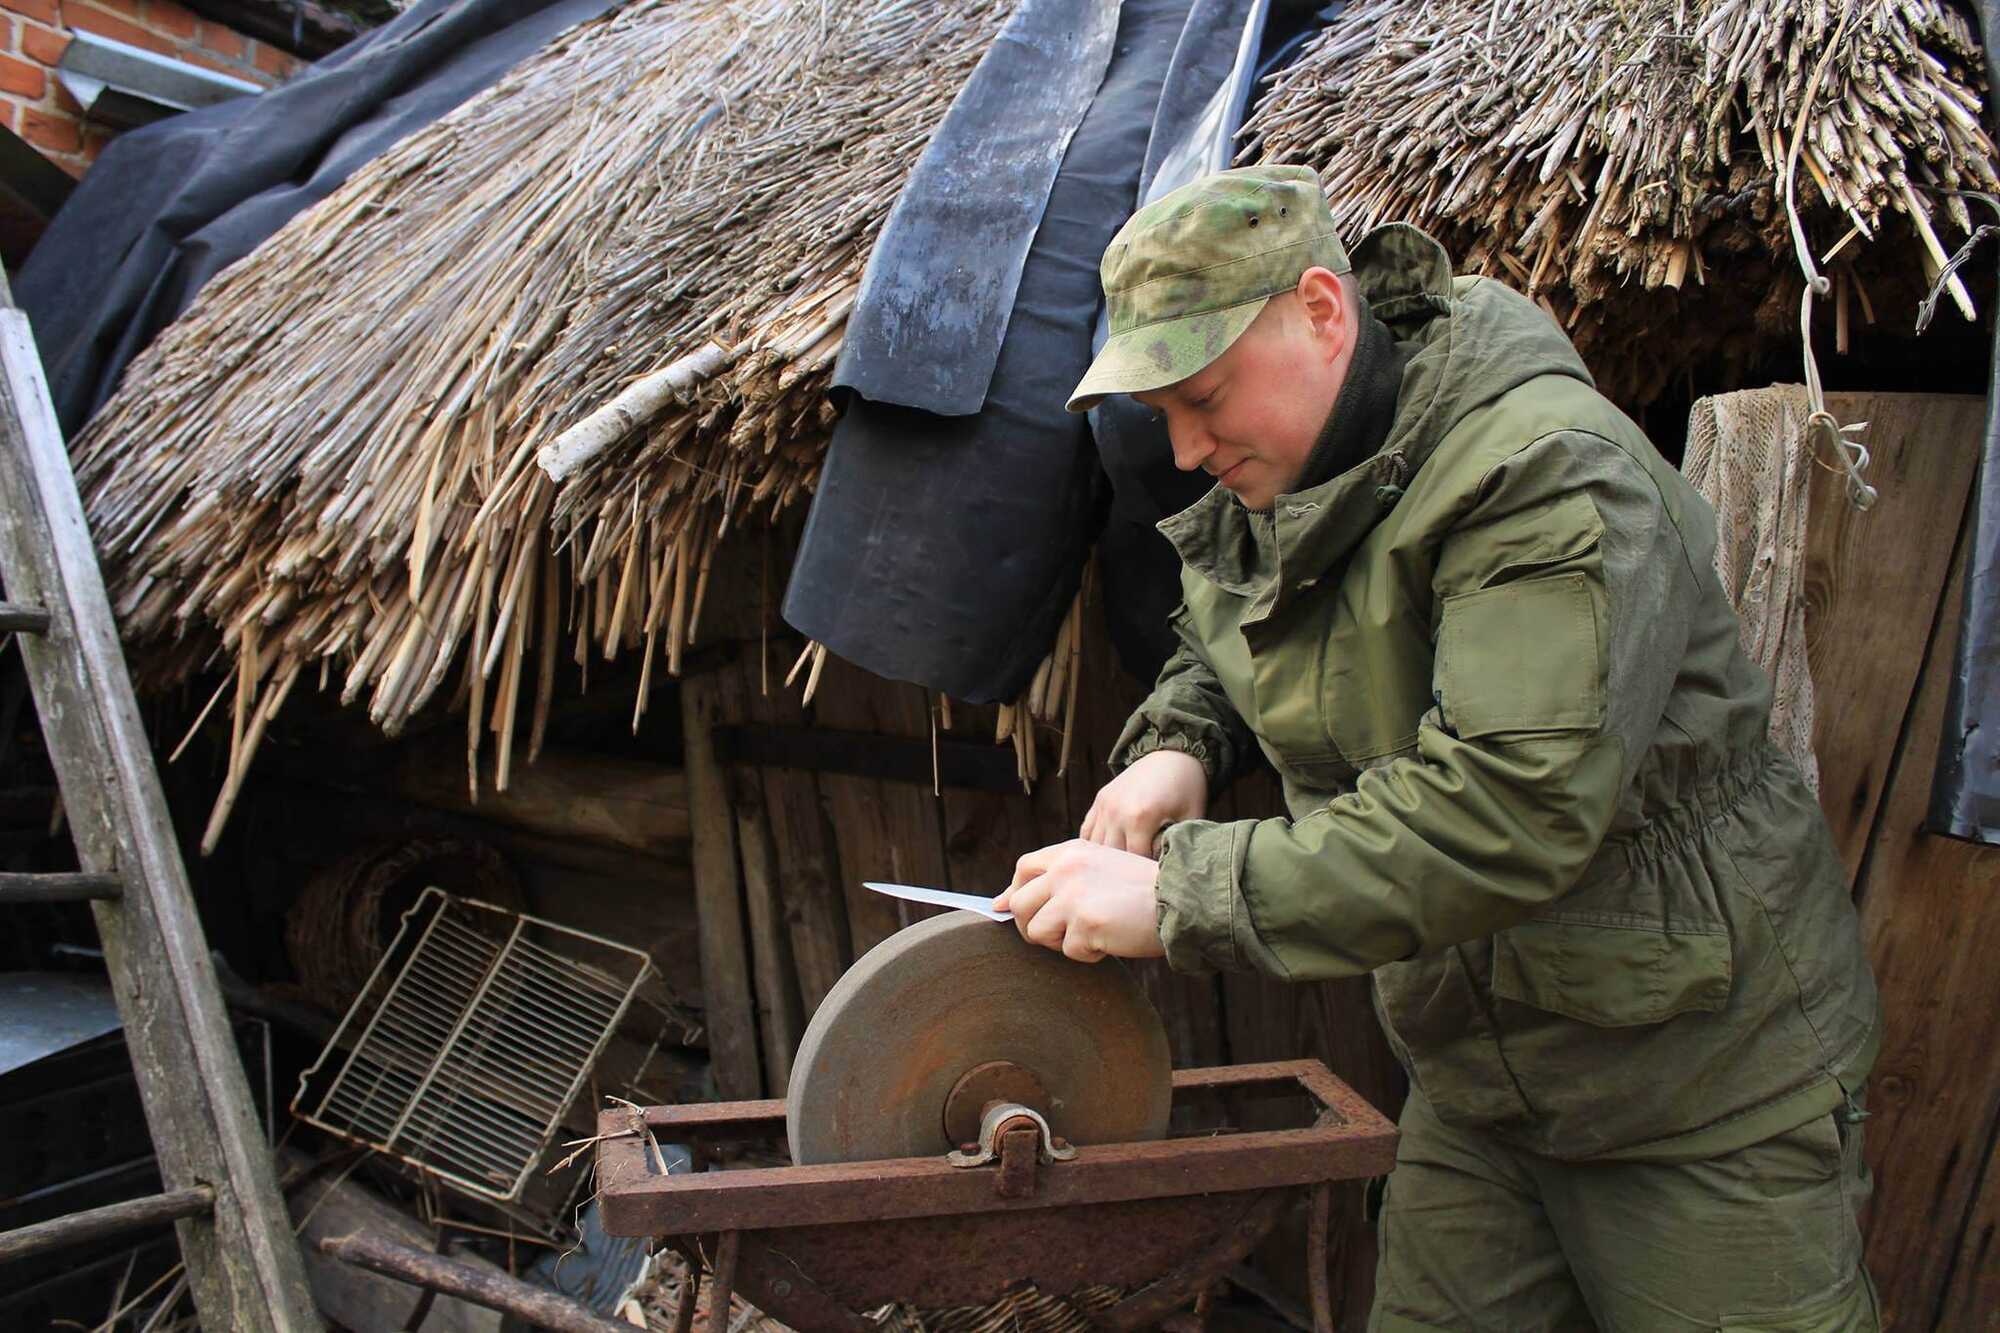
972 765
113 1219
57 888
540 1307
618 802
725 954
244 1268
23 619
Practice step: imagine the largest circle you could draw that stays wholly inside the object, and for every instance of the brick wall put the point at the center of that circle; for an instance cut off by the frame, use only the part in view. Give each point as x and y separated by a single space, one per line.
36 107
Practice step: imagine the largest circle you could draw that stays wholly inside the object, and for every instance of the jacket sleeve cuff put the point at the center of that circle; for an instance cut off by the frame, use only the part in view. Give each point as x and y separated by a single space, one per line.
1142 736
1204 921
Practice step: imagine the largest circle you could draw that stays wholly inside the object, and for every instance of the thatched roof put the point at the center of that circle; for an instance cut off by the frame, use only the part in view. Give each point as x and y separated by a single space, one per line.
329 461
1625 162
330 456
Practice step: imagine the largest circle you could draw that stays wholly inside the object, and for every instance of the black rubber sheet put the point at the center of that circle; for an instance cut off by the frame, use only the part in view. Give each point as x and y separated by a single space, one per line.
168 206
1965 795
945 549
942 280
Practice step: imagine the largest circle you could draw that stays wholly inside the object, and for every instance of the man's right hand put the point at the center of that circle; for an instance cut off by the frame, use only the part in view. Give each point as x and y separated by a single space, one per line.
1159 789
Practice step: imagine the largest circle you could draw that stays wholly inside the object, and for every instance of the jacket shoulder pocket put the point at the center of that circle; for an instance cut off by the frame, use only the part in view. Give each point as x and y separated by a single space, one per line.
1611 975
1522 656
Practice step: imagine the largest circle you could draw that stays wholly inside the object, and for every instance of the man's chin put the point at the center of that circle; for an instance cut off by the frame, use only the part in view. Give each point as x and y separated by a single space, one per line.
1255 502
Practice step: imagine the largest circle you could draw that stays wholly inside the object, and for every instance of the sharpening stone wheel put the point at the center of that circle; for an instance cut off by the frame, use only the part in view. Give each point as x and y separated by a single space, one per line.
958 1010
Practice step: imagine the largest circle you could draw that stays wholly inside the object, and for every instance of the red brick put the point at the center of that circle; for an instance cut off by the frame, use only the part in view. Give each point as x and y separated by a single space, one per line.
197 56
41 10
66 104
222 40
272 61
42 46
22 79
10 115
104 24
52 133
170 18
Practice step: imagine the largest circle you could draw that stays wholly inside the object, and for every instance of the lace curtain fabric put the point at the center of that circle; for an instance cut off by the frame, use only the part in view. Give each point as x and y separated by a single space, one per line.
1750 456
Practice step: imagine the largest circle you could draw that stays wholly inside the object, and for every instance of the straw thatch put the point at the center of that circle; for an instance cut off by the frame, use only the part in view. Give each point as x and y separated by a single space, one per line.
1624 163
330 458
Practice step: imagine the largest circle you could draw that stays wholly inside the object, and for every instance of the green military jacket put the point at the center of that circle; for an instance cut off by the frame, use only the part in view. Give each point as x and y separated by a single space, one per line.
1524 756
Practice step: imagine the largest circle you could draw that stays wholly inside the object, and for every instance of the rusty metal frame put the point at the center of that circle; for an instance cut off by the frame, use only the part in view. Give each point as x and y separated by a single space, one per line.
1350 1139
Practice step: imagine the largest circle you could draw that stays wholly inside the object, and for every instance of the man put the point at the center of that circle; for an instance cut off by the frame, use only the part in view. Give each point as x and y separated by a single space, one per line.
1470 616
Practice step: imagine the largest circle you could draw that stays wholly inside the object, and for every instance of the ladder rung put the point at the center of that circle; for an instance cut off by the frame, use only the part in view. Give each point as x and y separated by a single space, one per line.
110 1220
62 888
26 619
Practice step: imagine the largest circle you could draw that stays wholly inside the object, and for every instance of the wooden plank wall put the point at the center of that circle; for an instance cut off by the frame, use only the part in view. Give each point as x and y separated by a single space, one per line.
1882 627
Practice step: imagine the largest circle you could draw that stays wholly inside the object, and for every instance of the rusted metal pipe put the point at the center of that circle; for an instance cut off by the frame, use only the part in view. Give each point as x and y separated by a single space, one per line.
690 1293
723 1286
1322 1290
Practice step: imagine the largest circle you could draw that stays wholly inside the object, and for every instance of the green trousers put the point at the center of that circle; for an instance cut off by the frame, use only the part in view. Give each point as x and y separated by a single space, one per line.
1480 1238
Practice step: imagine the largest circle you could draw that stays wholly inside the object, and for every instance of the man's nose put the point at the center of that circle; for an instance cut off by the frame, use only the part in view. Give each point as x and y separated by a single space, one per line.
1191 443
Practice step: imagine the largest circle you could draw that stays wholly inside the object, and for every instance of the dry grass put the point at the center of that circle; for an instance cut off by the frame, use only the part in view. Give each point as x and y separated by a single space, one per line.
1623 162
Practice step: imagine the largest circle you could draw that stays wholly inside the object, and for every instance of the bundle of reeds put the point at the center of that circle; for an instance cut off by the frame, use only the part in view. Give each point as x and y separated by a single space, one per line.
1624 163
327 465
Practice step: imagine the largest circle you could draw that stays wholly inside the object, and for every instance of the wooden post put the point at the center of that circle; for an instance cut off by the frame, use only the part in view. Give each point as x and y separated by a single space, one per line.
781 1018
725 954
808 857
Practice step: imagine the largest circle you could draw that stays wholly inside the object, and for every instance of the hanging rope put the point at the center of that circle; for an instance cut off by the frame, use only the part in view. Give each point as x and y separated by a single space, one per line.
1822 424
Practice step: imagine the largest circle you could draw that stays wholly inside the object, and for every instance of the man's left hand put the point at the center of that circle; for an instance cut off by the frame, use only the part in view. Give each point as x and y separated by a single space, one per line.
1087 901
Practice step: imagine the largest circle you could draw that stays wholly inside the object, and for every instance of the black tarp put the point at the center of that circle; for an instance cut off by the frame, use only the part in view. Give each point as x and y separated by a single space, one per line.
946 270
169 206
945 548
1965 795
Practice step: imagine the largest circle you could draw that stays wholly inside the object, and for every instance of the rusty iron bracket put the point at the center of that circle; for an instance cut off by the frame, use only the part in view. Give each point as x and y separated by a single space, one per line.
1001 1120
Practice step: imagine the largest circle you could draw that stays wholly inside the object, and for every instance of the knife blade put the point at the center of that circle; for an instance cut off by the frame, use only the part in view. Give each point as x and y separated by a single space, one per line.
967 902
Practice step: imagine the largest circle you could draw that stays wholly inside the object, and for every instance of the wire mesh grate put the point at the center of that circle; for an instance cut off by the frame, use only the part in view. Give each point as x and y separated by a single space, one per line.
470 1040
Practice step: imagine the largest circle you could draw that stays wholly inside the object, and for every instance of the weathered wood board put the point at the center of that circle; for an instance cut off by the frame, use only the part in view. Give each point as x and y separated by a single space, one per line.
1930 912
1873 583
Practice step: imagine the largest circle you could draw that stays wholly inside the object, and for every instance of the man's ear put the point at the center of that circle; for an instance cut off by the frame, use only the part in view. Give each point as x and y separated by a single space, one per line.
1325 303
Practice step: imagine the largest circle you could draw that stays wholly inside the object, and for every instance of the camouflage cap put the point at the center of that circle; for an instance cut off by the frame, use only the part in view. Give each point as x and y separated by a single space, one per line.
1187 273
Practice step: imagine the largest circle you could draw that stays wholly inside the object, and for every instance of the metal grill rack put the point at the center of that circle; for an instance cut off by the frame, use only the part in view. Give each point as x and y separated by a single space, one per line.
470 1040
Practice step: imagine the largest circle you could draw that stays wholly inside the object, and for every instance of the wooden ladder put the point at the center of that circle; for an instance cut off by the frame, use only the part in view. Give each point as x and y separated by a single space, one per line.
219 1187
